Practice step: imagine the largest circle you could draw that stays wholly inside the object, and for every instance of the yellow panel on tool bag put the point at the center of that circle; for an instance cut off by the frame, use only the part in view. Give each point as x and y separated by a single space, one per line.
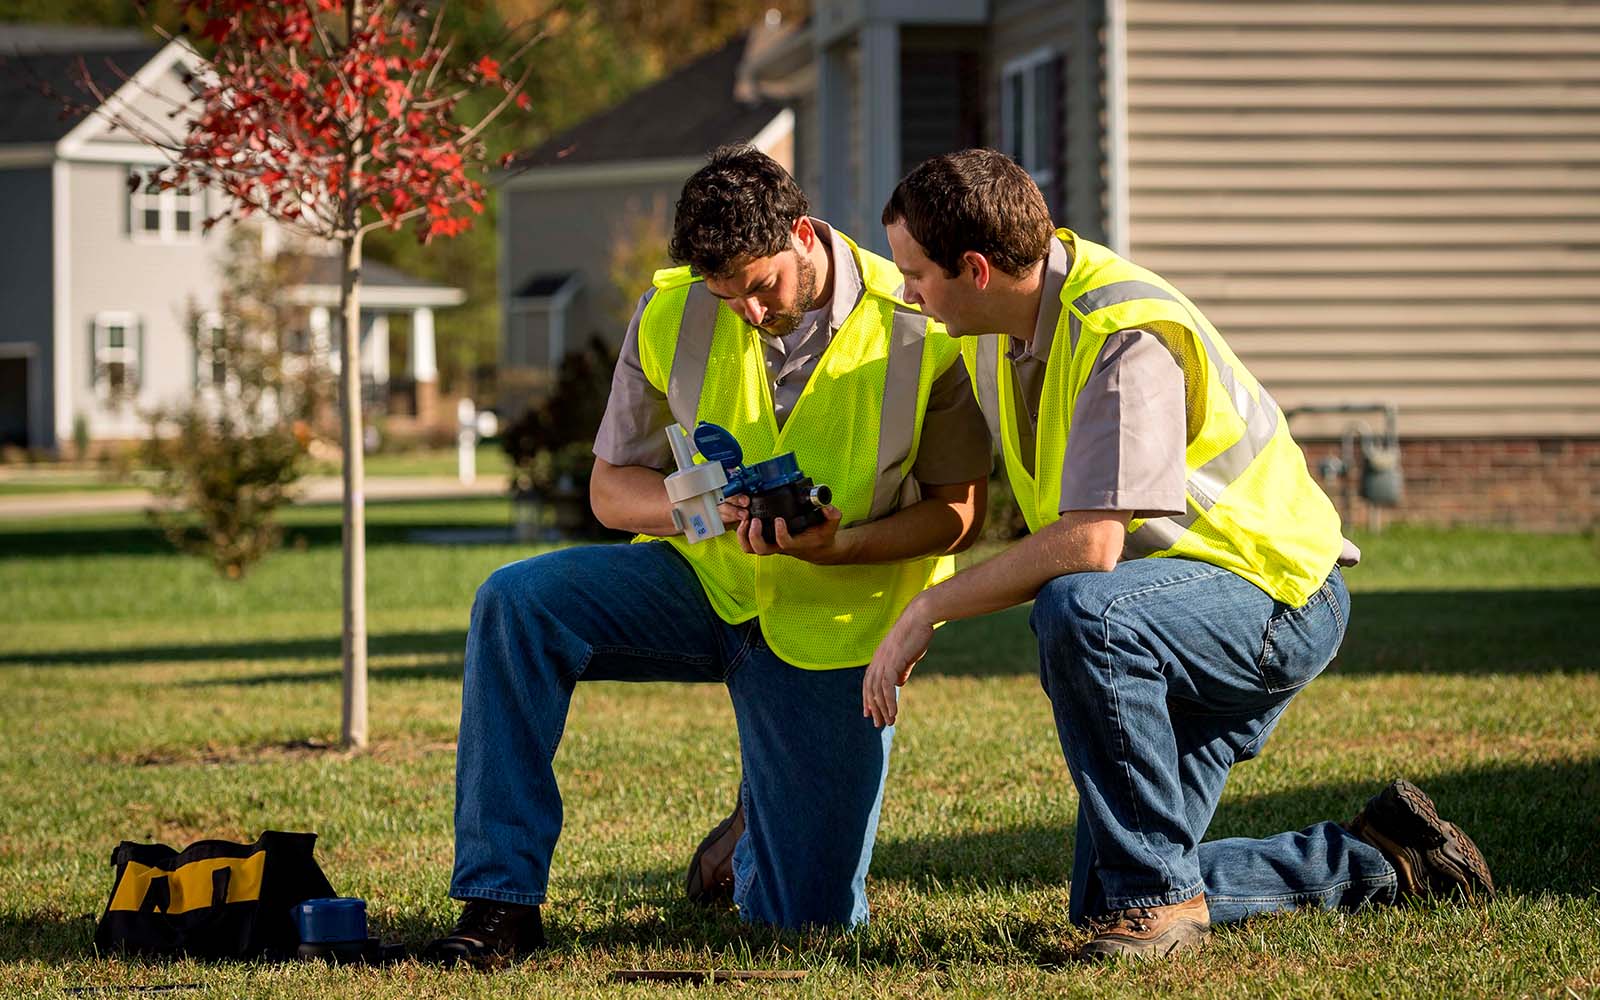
190 885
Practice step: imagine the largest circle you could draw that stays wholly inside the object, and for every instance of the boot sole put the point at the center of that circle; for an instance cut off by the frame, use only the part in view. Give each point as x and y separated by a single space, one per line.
1188 937
1409 812
694 884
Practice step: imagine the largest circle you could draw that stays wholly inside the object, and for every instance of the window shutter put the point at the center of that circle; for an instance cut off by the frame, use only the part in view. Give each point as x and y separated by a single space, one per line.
138 364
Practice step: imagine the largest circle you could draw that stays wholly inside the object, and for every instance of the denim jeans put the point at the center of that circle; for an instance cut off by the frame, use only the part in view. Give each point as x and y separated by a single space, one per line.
1163 674
814 768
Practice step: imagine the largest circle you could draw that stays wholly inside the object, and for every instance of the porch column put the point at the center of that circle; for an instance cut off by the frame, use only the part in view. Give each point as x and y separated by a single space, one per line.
424 368
880 96
321 344
377 350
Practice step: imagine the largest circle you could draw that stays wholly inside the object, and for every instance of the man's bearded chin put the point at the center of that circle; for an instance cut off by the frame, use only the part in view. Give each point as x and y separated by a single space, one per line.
784 323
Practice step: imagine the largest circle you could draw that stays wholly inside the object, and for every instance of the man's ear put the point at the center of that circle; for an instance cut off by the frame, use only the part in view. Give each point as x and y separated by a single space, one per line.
976 265
803 232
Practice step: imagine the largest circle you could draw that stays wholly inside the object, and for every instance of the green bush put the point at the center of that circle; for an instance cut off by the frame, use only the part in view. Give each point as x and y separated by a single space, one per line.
551 445
224 481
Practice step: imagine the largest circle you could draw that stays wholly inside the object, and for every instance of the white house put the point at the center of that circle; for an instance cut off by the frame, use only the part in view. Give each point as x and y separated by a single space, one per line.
100 275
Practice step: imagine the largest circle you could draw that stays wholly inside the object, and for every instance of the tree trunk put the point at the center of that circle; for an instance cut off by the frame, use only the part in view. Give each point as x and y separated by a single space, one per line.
354 725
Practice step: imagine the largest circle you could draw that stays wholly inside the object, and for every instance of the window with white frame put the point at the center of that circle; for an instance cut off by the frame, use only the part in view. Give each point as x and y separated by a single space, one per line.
117 339
170 216
1030 115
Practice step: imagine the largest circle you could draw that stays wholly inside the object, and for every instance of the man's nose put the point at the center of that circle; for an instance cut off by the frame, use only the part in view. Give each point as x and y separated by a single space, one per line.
912 298
752 311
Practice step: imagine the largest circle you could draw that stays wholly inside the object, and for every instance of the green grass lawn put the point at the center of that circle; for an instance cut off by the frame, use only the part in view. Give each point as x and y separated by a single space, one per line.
142 698
44 479
490 458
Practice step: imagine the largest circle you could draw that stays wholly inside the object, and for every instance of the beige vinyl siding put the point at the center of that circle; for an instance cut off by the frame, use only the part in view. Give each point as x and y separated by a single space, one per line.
1381 202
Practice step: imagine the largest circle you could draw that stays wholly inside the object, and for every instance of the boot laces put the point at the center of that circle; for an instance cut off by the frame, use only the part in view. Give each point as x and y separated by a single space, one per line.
1136 919
481 918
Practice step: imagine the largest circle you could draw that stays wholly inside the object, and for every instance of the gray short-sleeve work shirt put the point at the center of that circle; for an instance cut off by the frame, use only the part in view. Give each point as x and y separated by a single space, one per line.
1129 430
955 439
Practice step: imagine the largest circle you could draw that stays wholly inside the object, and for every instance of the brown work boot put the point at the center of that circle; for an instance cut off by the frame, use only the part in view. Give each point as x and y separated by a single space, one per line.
1430 856
1148 931
489 934
710 877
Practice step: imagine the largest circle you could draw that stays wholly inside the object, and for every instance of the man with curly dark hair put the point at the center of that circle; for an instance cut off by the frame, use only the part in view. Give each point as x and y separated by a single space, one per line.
786 333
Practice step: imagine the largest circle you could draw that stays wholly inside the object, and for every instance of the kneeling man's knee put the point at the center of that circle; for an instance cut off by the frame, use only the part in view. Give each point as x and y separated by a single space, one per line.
1069 607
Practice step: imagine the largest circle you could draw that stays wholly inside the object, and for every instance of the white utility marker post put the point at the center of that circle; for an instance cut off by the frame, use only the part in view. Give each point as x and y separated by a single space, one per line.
466 442
471 427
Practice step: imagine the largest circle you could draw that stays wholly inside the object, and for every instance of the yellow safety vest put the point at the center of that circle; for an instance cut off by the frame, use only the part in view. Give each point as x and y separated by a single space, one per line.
856 427
1252 506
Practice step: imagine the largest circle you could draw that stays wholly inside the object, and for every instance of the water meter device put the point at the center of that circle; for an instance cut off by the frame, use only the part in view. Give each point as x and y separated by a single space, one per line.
776 487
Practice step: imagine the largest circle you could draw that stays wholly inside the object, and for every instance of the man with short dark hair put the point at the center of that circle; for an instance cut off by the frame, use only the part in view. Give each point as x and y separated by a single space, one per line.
1182 568
794 339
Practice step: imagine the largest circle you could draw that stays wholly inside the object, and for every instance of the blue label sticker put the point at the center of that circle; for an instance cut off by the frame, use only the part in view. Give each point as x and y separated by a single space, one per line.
699 523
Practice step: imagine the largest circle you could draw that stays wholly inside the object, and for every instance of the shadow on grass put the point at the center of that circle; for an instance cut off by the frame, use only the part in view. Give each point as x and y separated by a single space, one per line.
48 936
446 668
1442 632
1535 824
441 641
1449 632
394 527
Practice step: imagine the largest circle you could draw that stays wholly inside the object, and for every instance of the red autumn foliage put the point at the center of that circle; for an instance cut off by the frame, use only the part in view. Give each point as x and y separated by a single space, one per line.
334 116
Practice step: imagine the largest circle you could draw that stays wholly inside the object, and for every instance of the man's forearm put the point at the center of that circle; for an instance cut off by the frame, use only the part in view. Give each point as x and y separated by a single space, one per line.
1082 541
947 521
631 498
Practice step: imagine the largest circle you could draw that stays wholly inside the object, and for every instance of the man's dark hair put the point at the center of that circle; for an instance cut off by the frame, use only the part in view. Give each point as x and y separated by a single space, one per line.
977 199
737 207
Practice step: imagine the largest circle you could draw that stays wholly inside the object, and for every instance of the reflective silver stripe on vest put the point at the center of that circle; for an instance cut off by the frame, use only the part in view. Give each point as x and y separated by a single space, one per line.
696 330
897 420
1116 293
1206 483
1157 534
987 384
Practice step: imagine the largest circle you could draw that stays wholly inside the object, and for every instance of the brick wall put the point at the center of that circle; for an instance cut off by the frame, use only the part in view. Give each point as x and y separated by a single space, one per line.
1550 484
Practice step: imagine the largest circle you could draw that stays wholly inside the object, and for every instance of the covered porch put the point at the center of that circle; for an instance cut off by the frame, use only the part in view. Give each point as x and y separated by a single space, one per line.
386 292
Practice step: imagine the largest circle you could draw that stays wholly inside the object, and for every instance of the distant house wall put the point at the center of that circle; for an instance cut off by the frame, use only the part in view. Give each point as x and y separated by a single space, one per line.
26 331
115 270
1381 202
552 230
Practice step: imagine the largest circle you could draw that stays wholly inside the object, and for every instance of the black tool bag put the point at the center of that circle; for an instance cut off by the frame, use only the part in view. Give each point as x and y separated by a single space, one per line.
213 899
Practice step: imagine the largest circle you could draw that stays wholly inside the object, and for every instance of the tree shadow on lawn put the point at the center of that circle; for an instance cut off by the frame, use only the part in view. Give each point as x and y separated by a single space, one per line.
438 642
1535 824
53 539
1445 632
1440 632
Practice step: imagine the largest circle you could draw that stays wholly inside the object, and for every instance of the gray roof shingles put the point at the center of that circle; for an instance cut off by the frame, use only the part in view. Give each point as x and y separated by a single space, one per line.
686 114
39 72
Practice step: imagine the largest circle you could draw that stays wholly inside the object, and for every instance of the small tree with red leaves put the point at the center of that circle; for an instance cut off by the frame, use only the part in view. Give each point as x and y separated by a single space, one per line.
334 118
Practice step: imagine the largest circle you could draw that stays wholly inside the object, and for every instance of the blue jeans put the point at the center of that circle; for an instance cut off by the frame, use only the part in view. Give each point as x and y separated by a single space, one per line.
1163 674
814 768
